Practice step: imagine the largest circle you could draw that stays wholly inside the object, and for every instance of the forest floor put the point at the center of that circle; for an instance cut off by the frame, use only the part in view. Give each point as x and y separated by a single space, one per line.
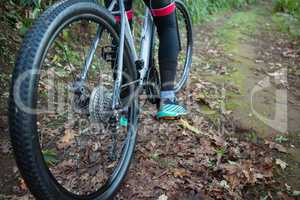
242 137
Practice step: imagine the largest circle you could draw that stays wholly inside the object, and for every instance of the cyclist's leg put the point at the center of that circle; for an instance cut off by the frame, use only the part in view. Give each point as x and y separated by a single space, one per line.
163 12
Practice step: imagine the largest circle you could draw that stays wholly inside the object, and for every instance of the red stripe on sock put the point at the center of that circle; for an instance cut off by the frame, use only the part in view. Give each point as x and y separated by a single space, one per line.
160 12
129 16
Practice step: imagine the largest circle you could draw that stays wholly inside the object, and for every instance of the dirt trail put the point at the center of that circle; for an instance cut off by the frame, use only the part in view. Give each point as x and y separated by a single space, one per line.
238 56
253 63
258 67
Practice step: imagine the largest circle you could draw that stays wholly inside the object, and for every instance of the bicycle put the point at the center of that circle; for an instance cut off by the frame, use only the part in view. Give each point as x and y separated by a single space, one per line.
83 127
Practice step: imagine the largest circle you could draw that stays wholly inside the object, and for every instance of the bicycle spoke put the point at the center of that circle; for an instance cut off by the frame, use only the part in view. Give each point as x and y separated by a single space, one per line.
91 53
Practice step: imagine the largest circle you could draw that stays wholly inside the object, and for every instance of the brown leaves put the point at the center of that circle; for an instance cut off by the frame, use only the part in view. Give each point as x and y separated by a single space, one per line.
67 140
246 172
218 140
163 197
281 163
249 172
5 148
23 186
180 173
185 124
276 146
232 175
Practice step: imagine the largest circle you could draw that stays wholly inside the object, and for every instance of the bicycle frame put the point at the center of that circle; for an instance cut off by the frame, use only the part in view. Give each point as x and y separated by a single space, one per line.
142 63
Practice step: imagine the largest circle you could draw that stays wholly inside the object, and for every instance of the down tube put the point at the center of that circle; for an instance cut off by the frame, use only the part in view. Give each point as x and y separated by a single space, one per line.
146 42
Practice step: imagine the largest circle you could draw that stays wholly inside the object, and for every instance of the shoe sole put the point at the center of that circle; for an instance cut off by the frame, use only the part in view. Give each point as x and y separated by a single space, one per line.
168 118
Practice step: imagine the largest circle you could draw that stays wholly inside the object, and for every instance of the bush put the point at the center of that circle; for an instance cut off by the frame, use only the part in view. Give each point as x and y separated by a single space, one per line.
27 2
201 9
288 6
288 16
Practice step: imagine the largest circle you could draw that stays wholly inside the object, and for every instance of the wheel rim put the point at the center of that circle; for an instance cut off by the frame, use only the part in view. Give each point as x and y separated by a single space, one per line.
56 66
185 55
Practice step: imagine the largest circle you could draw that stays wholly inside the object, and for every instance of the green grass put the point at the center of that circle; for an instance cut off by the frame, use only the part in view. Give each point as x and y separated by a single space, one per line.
202 9
240 25
287 23
237 28
287 17
288 6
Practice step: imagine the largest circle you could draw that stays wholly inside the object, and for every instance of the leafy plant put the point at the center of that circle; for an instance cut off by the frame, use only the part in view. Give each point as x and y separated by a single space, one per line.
220 152
202 9
288 6
281 139
50 157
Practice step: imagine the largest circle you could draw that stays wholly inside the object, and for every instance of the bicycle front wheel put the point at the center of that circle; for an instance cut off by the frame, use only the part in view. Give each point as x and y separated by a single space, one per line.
68 144
184 27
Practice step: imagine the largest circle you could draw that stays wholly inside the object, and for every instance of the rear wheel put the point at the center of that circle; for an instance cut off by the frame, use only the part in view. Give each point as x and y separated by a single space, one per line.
68 142
185 32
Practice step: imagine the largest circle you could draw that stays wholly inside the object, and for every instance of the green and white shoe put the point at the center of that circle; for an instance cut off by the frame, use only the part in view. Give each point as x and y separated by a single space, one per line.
170 110
123 121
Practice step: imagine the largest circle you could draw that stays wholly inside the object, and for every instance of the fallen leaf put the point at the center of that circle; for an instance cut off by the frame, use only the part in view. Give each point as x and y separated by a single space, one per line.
67 140
22 186
234 180
163 197
224 184
284 196
219 141
259 176
266 169
185 124
204 100
230 168
5 148
112 165
180 173
248 171
281 163
232 174
276 146
288 187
